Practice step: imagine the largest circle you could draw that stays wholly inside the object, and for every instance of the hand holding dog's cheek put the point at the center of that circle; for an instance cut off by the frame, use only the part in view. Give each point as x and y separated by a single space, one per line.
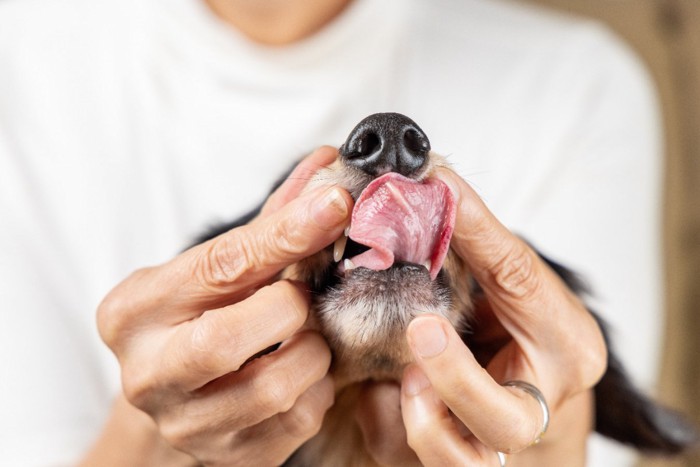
184 333
549 324
555 345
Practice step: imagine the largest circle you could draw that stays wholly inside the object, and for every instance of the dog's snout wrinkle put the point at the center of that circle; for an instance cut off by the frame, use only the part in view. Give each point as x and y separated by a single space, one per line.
386 142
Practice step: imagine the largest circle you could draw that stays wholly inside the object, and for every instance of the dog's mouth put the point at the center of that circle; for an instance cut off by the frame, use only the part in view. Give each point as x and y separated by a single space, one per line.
393 263
398 221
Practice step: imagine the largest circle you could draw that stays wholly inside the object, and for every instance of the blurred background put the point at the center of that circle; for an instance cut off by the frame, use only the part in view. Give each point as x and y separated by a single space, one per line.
666 35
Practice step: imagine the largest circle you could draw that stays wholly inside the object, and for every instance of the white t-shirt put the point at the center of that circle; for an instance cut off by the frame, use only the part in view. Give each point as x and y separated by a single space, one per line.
126 126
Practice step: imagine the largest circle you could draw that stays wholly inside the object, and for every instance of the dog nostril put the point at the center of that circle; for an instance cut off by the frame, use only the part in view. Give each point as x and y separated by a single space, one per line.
415 142
368 145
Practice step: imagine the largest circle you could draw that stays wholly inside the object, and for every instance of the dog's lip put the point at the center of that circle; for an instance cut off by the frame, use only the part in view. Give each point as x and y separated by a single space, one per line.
401 220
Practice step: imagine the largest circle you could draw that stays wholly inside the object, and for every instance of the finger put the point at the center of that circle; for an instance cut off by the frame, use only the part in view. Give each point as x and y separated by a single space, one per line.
379 417
225 269
266 387
529 299
431 431
504 265
299 178
216 343
272 441
506 419
249 255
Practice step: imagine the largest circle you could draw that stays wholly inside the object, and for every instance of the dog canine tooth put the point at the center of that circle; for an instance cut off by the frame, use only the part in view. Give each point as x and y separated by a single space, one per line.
349 265
428 265
339 248
346 232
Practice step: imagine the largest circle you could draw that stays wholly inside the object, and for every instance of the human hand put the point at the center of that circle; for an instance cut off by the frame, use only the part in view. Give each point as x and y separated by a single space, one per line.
184 333
533 328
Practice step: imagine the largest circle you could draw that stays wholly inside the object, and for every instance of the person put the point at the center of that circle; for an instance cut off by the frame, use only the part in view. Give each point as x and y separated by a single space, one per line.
127 127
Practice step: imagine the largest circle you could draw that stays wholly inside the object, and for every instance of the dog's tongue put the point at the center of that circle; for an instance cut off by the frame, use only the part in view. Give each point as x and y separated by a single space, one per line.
403 220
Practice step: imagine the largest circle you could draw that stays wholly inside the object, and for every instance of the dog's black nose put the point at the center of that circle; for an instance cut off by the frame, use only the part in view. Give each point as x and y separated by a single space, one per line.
386 142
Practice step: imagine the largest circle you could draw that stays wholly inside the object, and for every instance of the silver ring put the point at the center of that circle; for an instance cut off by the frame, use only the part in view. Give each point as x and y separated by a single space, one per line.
501 458
537 394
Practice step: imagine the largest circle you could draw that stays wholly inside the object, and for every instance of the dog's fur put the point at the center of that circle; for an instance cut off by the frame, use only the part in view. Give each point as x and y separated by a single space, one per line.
364 314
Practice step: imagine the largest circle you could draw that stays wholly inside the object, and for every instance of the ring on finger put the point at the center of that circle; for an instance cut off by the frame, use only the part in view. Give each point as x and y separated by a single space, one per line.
501 458
537 394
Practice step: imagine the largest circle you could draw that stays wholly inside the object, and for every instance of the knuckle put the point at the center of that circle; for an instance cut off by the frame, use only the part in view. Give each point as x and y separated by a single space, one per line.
178 435
583 357
272 394
591 357
211 341
515 273
302 422
597 364
224 260
110 319
227 258
117 312
285 240
200 364
138 386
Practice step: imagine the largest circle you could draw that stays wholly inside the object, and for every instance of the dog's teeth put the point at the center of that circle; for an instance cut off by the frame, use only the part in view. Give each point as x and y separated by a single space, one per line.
346 232
428 264
339 248
348 265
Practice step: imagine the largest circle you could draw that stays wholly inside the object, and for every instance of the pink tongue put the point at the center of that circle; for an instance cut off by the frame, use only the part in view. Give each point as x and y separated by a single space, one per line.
403 220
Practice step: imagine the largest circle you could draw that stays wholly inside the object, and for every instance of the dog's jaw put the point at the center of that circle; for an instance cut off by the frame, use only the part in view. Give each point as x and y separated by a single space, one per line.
366 316
364 313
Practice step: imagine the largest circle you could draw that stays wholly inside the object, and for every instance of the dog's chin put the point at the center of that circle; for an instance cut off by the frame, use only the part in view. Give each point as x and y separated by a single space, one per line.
366 313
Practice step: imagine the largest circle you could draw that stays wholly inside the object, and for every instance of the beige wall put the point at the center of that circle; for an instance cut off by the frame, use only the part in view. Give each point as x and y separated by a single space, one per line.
666 34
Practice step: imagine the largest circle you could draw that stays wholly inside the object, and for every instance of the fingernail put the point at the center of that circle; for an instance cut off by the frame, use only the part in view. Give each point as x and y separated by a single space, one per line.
331 209
415 381
427 337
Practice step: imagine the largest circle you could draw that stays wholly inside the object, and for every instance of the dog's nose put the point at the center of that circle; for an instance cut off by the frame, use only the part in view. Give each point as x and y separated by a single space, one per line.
386 142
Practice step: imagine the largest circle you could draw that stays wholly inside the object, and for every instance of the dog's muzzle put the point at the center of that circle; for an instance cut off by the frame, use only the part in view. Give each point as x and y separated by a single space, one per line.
401 216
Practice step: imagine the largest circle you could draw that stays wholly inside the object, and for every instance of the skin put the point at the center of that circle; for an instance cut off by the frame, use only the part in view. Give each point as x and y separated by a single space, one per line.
183 333
552 342
278 22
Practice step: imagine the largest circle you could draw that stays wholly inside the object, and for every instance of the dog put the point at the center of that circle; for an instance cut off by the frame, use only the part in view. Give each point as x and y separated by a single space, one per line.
394 263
